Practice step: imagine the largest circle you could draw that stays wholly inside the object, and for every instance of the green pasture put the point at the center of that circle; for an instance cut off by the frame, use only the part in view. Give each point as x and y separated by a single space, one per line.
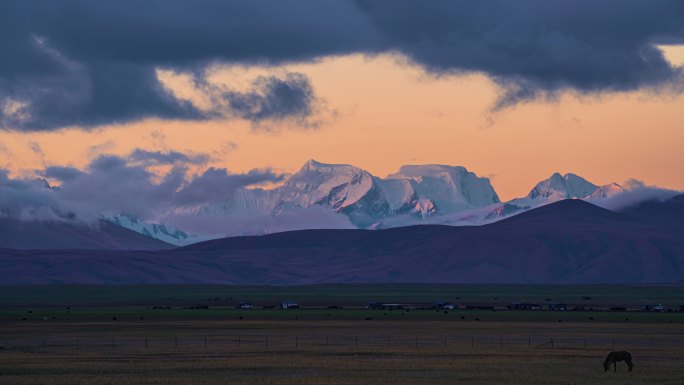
350 295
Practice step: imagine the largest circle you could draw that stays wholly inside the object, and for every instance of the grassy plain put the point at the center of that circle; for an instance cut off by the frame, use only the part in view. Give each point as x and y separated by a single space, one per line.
222 345
344 294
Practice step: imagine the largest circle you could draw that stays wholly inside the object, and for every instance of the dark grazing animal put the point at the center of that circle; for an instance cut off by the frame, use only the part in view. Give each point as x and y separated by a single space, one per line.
614 357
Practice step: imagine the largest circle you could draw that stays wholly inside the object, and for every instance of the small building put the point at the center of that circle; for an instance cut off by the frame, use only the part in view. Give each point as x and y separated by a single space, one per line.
244 305
653 307
440 305
384 306
479 307
523 306
289 305
558 307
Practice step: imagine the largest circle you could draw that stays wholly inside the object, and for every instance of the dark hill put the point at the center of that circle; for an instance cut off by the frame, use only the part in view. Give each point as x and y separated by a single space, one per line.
570 241
669 212
16 234
393 237
568 210
566 242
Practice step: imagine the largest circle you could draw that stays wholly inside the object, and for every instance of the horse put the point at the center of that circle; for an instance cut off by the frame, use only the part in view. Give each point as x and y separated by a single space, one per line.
614 357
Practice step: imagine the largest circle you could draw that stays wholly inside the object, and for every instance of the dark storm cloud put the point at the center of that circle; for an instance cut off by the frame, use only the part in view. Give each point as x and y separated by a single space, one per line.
273 98
74 62
536 48
636 192
62 173
93 62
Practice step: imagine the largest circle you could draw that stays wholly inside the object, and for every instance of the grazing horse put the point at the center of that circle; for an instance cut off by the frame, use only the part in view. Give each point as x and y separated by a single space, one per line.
614 357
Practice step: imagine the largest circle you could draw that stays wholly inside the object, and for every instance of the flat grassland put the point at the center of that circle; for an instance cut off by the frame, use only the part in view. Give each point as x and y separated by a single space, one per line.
151 335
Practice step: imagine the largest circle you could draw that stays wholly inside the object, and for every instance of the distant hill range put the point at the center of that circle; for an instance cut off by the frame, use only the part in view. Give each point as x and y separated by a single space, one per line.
71 234
669 212
570 241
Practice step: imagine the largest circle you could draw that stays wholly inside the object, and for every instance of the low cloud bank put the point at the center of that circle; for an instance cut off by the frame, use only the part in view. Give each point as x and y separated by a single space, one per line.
113 185
635 193
116 185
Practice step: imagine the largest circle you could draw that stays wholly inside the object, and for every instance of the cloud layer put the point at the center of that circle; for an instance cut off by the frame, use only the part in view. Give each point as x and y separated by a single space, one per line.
112 185
122 185
211 203
635 193
536 48
88 63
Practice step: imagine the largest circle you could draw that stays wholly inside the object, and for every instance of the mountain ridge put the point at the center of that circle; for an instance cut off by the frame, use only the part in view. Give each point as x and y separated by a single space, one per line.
347 196
565 242
69 234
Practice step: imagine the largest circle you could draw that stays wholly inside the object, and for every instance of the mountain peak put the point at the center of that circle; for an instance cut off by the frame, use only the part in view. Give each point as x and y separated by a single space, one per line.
429 168
568 176
311 164
314 165
338 186
558 187
571 208
573 177
608 191
450 188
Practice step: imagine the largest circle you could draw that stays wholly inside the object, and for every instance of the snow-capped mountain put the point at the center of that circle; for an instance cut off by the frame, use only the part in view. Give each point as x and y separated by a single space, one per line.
243 201
343 188
367 200
166 233
557 187
336 185
448 188
412 194
419 191
607 191
323 195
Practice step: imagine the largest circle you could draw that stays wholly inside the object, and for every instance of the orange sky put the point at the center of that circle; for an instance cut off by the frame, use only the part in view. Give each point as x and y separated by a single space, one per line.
380 113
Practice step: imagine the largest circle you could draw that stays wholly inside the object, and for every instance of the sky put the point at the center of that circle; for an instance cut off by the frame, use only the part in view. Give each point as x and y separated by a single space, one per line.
232 93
